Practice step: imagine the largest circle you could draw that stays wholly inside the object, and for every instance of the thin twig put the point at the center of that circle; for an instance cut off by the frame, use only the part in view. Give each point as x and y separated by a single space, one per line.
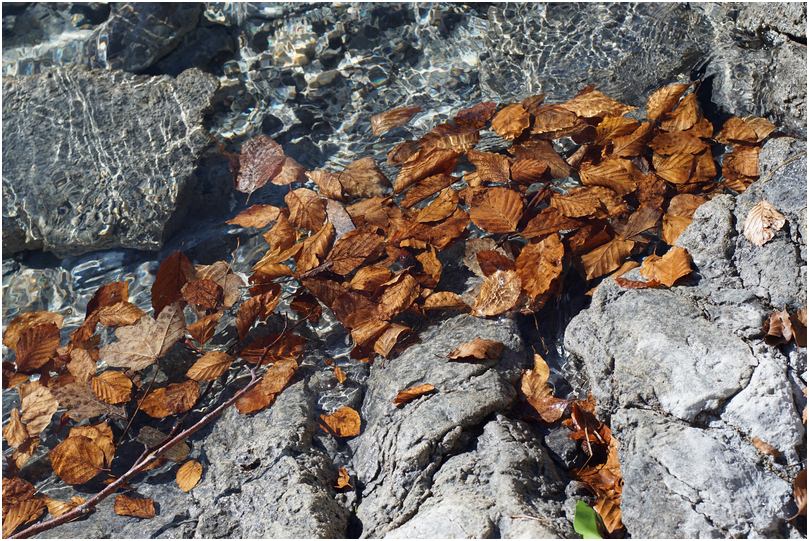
144 460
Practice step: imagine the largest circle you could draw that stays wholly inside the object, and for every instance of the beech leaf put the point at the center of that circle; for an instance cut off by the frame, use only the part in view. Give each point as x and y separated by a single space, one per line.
762 223
344 422
412 393
128 506
188 475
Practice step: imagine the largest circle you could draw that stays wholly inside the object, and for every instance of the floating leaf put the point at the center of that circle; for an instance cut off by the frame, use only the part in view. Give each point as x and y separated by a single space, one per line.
476 116
307 210
675 264
424 164
112 387
384 122
36 346
27 321
511 121
210 366
261 159
497 210
119 314
256 216
76 460
412 393
188 475
257 308
81 402
204 294
203 329
762 222
172 275
273 348
128 506
153 438
591 103
140 345
479 349
353 249
344 422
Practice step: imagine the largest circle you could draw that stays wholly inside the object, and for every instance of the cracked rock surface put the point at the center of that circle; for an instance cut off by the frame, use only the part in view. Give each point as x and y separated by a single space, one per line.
687 381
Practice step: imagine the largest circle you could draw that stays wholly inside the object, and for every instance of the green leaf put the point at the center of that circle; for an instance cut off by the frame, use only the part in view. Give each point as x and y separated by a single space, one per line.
586 521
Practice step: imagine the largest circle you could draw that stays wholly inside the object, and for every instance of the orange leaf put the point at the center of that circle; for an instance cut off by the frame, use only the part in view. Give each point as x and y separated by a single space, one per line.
479 349
498 294
353 249
497 210
511 121
344 422
256 216
140 345
591 103
188 475
606 258
387 340
14 431
384 122
204 294
36 346
171 400
539 394
613 173
445 300
38 406
412 393
273 348
21 513
363 178
76 460
675 264
119 314
664 99
203 329
112 387
26 321
210 366
134 507
423 164
539 266
339 374
307 210
257 308
343 479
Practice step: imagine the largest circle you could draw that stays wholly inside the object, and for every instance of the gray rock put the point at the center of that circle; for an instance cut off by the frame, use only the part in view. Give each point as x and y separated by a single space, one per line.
783 17
687 381
405 456
99 159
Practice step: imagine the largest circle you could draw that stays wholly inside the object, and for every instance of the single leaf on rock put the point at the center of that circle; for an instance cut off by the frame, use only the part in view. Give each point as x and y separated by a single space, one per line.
17 514
539 266
412 393
140 345
664 99
36 346
171 400
260 160
498 294
204 328
343 479
765 448
675 264
384 122
480 349
606 258
497 210
14 430
307 210
188 475
388 339
128 506
112 387
119 314
76 460
762 222
172 275
539 394
210 366
344 422
27 321
778 328
511 121
256 216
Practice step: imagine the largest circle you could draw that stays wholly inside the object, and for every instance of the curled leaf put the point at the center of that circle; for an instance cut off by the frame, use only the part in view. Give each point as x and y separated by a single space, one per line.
344 422
412 393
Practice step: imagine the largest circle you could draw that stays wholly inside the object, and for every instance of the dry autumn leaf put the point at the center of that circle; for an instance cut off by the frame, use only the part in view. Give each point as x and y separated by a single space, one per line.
173 399
497 210
307 210
343 478
58 508
344 422
188 475
119 314
539 394
128 506
112 387
412 393
498 294
36 346
480 349
799 492
667 270
27 321
203 294
762 222
203 329
256 216
140 345
38 406
76 460
210 366
511 121
539 267
21 513
591 103
664 99
606 258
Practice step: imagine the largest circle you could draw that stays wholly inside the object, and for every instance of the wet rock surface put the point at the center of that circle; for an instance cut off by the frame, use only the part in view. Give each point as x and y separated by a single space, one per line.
687 380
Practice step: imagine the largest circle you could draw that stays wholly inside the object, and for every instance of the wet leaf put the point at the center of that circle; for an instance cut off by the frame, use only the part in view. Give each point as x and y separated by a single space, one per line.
762 222
591 103
36 346
77 460
553 120
188 475
203 329
384 122
38 406
107 295
260 160
81 402
21 513
664 99
339 375
112 387
498 294
256 216
273 348
799 492
539 394
511 121
172 275
353 249
210 366
27 321
675 264
173 399
128 506
479 349
306 306
440 208
140 345
119 314
424 164
257 308
307 210
412 393
204 294
344 422
476 116
497 210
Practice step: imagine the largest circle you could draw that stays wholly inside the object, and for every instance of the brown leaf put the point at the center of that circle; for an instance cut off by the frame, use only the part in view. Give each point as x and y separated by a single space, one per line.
643 219
614 126
174 399
58 508
339 375
398 296
257 308
762 222
112 387
343 479
38 406
528 170
633 144
591 103
76 460
172 275
203 294
140 345
256 216
539 394
553 120
539 267
683 117
745 130
127 506
119 314
27 321
423 164
363 178
14 430
491 261
412 393
384 122
153 438
679 215
799 492
344 422
613 173
328 183
36 346
210 366
261 159
445 300
440 208
387 340
498 294
291 171
188 475
21 513
107 295
354 249
306 306
476 116
765 448
307 210
675 264
448 136
677 168
497 210
589 201
537 149
479 349
606 258
82 403
664 99
203 329
511 121
101 435
273 348
667 144
489 166
741 162
549 220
